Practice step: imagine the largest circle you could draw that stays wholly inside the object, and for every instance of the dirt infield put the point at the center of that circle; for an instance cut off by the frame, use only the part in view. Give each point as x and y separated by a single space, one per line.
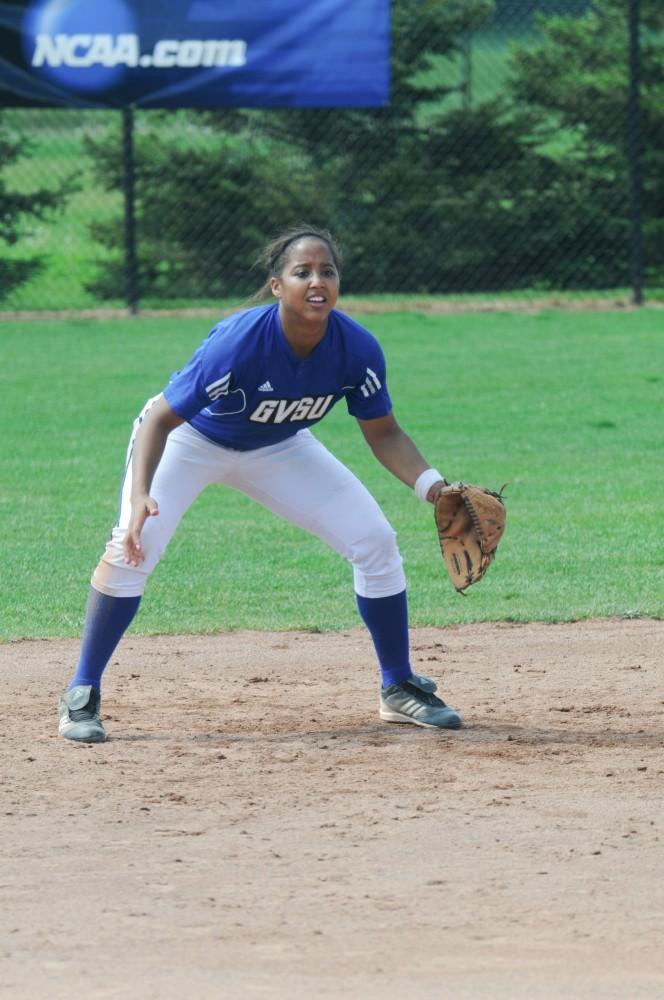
251 829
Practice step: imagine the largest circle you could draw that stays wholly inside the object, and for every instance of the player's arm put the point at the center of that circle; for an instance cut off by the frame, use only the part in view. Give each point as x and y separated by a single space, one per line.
149 446
396 451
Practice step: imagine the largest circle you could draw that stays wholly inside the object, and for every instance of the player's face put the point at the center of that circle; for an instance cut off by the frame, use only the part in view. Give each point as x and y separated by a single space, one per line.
308 287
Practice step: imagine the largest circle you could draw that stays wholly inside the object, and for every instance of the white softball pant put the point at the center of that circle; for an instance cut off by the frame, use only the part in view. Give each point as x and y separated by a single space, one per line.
298 479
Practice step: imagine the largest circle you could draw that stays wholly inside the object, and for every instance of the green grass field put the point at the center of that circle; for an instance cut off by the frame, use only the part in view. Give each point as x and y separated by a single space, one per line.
566 408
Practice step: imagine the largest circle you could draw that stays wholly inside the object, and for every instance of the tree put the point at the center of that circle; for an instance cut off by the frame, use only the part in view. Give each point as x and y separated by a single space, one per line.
571 90
204 206
202 212
18 208
427 194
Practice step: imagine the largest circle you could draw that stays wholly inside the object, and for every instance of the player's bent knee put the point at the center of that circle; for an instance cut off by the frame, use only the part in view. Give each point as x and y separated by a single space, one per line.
115 577
376 548
377 563
118 581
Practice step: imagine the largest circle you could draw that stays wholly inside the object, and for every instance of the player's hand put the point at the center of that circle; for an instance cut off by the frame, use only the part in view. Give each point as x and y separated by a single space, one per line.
141 510
435 489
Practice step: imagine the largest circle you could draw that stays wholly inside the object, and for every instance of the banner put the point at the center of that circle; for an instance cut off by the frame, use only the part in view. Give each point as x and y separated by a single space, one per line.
194 53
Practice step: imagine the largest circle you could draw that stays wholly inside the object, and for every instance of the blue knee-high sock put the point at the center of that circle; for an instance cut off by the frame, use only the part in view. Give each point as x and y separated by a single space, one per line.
106 620
387 621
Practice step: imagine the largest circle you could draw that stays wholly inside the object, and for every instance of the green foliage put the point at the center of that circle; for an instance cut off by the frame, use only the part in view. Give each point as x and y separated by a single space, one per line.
19 210
437 192
205 210
566 407
575 81
196 207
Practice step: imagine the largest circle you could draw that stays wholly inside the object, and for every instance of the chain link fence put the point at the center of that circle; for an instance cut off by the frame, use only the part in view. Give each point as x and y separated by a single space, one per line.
521 154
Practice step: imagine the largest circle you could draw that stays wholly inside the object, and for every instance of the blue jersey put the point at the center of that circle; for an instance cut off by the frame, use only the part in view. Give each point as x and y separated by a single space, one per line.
245 387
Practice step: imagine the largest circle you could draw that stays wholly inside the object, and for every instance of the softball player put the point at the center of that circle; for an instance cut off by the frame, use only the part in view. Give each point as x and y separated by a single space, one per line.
239 413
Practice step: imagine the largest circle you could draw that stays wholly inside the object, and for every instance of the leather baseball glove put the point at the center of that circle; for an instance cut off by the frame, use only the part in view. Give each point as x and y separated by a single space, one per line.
470 522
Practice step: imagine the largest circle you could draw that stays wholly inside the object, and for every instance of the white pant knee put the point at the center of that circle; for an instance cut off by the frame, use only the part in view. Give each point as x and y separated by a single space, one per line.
114 577
377 563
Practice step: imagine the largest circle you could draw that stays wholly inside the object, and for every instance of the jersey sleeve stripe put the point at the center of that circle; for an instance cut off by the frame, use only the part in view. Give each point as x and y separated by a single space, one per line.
219 388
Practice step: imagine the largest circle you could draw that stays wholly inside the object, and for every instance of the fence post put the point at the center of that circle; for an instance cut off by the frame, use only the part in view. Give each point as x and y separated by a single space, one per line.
634 152
131 271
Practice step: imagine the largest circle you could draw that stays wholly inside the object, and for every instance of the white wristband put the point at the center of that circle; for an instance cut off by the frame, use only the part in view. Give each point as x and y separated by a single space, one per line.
425 481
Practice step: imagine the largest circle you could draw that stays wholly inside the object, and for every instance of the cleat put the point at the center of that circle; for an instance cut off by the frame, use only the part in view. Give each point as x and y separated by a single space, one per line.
409 703
423 683
79 715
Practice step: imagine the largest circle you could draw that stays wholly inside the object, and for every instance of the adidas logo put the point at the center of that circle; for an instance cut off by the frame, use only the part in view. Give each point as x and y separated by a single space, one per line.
266 387
371 384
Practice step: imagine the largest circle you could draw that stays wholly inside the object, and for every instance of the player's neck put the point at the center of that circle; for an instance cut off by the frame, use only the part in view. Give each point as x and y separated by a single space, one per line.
302 337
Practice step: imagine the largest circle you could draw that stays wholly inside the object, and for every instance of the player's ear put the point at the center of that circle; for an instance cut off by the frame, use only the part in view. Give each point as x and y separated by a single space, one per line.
275 285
